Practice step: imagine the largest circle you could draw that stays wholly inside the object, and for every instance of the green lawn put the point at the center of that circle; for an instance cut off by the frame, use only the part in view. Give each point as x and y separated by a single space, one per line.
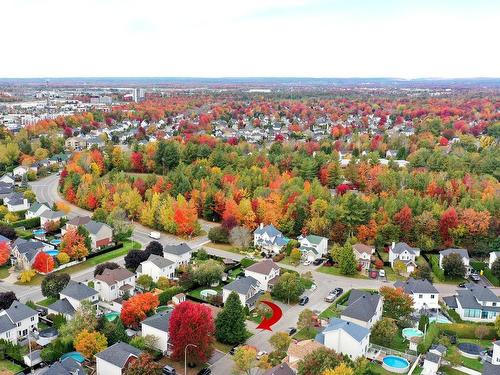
7 367
127 246
4 272
336 272
450 371
305 334
392 275
222 347
377 368
330 312
289 261
398 343
47 301
196 293
474 364
223 247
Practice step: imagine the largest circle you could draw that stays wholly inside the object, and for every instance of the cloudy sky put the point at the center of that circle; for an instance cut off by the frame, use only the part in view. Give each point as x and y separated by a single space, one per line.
250 38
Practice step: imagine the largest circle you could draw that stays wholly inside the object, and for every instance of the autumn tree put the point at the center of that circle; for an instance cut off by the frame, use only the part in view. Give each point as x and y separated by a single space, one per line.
4 253
144 365
230 325
341 369
208 272
90 343
448 221
318 361
73 244
43 263
192 323
244 360
453 266
397 304
280 341
84 318
384 331
305 319
137 308
288 288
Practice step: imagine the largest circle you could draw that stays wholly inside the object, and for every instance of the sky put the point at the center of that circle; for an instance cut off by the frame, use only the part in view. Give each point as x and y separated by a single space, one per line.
250 38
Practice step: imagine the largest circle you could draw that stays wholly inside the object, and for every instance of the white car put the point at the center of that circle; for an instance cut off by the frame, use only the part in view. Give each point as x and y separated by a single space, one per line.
155 235
307 262
261 354
381 273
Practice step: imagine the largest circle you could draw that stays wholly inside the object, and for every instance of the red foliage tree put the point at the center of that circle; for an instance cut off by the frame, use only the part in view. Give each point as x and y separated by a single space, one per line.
43 262
91 201
449 220
137 308
404 218
4 253
137 162
192 323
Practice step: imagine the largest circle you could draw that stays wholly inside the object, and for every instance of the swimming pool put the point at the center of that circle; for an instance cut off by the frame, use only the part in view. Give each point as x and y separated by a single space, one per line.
111 316
39 232
440 319
408 333
56 242
52 253
398 365
205 293
77 356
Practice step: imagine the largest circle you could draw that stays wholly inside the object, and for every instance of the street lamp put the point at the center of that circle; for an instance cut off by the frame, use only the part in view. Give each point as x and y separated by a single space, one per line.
185 352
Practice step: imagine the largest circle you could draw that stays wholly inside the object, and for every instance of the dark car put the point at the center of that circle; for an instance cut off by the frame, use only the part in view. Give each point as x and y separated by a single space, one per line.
318 261
303 300
461 285
205 371
233 349
41 311
168 370
291 331
338 291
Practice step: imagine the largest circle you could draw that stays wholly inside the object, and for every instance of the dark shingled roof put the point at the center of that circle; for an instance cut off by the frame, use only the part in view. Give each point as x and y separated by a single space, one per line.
78 291
62 306
361 305
242 285
263 267
118 354
6 324
180 249
432 357
413 286
67 366
281 369
160 321
18 311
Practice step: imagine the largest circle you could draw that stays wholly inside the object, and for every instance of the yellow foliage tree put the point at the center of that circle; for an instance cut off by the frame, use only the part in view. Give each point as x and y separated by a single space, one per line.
341 369
27 275
90 343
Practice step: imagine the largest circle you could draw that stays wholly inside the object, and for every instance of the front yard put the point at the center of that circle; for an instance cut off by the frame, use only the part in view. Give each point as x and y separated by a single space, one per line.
336 272
8 368
4 272
47 301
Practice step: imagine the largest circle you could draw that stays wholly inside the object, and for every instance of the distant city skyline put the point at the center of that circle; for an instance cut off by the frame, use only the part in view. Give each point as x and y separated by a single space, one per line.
267 38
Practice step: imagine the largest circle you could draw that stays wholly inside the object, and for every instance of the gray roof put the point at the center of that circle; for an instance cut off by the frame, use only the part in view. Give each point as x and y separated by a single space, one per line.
414 286
6 324
432 357
36 206
15 201
4 239
440 348
482 292
62 306
468 298
462 252
18 311
95 226
490 369
78 291
160 321
52 215
242 285
118 354
451 302
281 369
361 305
180 249
269 229
263 267
159 261
402 246
28 248
354 330
68 366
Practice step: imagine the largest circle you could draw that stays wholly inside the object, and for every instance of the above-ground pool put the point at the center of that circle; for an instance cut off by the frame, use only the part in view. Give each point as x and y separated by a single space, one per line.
408 333
39 232
469 350
440 319
52 253
398 365
55 242
111 316
205 293
77 356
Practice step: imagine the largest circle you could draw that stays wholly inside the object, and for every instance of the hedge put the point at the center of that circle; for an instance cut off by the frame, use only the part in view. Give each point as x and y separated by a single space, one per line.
467 330
27 223
434 261
247 262
431 334
167 295
482 266
105 250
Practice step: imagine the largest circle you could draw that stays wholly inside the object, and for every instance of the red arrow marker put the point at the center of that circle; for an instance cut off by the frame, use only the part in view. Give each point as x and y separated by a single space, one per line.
268 322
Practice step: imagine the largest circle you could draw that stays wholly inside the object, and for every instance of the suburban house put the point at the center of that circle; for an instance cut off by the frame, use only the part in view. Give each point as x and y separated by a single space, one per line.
158 326
464 254
363 254
475 303
312 246
402 252
281 369
71 298
113 284
494 255
101 234
298 350
432 361
21 170
7 179
156 267
345 337
363 308
36 210
268 238
116 358
492 365
179 254
49 216
265 272
16 202
66 366
17 321
248 289
5 189
77 143
25 251
425 295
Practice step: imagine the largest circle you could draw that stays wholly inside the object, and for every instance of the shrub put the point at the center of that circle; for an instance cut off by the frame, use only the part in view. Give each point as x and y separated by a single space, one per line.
27 223
279 257
247 262
62 258
167 295
218 235
434 260
431 335
379 264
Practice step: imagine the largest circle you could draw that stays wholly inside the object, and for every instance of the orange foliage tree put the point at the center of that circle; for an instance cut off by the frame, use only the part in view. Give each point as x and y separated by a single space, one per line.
4 253
74 245
137 308
43 262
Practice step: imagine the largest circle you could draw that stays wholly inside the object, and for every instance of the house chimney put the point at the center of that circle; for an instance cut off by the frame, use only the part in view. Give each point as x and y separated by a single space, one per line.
261 225
393 244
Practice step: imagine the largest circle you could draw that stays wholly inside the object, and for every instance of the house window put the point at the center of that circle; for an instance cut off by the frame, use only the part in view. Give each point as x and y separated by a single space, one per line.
420 296
19 324
432 296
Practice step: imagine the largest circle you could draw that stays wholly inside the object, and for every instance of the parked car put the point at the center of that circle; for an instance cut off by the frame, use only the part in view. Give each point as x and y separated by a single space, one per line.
155 235
475 277
233 349
338 291
461 285
41 311
205 371
318 261
169 370
291 331
303 300
330 298
381 273
313 287
307 262
261 354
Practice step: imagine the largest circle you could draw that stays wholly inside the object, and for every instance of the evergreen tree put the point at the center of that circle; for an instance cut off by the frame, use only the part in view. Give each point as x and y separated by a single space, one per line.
82 231
347 260
230 322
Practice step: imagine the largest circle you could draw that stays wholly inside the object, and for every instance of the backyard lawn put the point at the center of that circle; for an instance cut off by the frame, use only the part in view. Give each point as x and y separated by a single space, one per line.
196 293
47 301
474 364
7 367
305 334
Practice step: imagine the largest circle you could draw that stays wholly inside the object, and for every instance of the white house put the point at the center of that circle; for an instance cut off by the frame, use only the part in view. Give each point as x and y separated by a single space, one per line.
463 253
268 238
17 321
71 298
20 170
7 179
345 337
156 267
494 255
100 234
492 365
475 303
266 272
179 254
36 209
25 251
363 254
113 284
116 358
158 327
363 308
248 289
424 294
16 202
432 361
402 252
49 216
313 246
